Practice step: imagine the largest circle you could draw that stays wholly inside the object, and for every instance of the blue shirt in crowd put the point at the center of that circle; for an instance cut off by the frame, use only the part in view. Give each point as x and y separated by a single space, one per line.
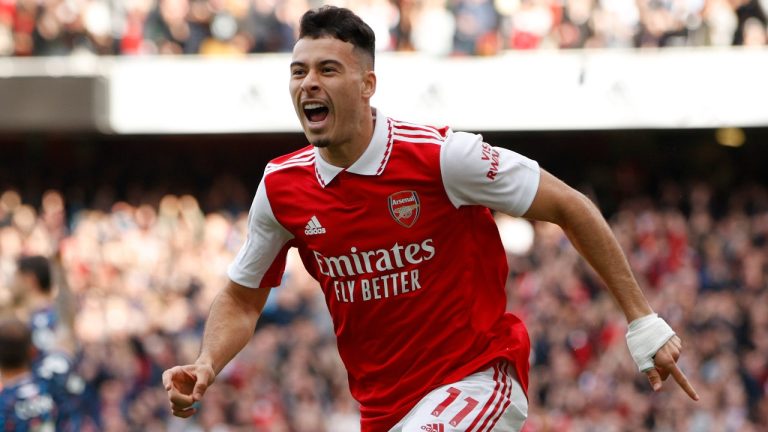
47 399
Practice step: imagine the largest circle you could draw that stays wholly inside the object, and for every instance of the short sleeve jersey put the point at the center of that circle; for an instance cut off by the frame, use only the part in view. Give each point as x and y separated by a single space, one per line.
407 254
47 399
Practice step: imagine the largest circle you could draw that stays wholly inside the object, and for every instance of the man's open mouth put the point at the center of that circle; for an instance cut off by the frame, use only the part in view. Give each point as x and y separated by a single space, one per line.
315 112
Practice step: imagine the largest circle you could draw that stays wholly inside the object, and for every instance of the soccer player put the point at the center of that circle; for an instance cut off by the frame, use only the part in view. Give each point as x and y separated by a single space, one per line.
394 220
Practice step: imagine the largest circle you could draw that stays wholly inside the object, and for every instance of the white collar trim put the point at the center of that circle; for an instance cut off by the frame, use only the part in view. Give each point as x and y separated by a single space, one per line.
373 160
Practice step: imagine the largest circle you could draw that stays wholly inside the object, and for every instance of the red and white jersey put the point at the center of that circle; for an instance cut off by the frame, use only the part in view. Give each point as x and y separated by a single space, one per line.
406 252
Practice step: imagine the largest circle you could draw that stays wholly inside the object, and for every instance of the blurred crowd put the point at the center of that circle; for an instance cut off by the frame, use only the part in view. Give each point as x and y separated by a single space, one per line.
144 276
437 27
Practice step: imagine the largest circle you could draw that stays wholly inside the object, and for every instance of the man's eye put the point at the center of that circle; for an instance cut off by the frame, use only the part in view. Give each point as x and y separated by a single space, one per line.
329 70
297 72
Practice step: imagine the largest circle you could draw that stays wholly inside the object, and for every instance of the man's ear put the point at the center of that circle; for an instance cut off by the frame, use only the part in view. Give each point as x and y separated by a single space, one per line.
369 84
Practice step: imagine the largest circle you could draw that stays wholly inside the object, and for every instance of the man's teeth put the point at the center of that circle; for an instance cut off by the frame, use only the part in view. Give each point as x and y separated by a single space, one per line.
313 106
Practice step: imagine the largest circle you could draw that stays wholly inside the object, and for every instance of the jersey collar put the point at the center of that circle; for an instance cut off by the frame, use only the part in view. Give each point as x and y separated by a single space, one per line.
373 160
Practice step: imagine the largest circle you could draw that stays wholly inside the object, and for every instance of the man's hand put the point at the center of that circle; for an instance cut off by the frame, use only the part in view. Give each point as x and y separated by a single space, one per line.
665 362
186 385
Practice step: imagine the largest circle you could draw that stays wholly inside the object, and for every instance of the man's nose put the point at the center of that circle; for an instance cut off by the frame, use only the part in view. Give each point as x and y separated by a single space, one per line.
310 83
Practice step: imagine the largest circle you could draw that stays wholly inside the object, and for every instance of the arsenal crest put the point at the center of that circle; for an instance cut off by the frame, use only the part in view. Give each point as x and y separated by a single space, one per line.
404 207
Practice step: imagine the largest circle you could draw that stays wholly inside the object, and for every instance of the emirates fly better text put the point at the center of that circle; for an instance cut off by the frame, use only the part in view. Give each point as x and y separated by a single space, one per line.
375 274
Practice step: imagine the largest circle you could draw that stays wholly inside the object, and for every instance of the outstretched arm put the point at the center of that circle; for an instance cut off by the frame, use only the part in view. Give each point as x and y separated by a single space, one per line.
590 234
65 305
230 325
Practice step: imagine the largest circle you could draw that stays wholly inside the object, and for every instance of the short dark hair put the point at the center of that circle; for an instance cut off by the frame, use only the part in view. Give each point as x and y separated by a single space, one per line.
15 344
339 23
39 267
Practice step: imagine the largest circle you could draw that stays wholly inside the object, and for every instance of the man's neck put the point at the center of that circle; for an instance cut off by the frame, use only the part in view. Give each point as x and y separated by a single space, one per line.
38 301
345 154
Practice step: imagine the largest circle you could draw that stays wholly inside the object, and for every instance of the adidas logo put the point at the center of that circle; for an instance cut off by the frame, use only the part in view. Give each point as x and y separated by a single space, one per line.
313 227
434 427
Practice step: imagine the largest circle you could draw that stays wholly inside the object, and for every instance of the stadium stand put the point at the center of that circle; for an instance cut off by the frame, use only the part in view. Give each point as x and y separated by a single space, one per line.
439 27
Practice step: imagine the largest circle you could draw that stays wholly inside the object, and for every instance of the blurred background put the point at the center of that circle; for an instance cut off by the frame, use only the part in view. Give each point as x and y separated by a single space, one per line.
133 135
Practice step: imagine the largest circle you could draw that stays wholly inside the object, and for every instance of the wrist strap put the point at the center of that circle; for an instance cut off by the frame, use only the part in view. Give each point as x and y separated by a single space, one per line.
645 336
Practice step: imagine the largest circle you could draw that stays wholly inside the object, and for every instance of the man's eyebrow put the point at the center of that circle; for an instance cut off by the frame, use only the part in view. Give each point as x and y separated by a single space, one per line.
331 61
322 63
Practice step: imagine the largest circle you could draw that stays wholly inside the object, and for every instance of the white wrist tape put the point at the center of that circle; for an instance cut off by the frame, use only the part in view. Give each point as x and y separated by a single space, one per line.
645 337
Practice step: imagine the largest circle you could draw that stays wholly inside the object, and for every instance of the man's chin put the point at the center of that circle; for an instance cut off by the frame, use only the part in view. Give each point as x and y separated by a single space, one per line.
317 140
321 142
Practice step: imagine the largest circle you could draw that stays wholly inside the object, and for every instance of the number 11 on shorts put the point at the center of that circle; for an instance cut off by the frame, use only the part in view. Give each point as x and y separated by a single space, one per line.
453 394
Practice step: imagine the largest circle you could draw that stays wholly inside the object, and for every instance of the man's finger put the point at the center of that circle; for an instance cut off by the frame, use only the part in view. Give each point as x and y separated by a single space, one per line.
677 342
184 413
168 378
663 373
683 382
204 376
180 400
200 387
654 378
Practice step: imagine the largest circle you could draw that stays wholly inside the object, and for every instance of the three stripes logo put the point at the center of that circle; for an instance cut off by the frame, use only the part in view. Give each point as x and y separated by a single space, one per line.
313 227
433 427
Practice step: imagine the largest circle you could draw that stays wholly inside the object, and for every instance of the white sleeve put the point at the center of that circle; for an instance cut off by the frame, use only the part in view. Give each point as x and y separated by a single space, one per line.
265 240
475 173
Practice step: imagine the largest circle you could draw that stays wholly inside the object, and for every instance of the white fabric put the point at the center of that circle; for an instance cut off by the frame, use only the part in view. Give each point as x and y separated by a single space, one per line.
475 173
645 336
266 237
496 399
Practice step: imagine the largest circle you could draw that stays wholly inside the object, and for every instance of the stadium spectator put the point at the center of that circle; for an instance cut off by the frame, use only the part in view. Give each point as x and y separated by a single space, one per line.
36 396
39 388
33 284
431 28
477 25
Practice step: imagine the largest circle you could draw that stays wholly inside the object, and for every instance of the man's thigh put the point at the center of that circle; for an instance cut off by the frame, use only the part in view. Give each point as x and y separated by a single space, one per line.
489 400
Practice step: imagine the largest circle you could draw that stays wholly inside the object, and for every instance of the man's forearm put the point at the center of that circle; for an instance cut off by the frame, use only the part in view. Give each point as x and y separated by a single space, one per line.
229 327
592 237
64 302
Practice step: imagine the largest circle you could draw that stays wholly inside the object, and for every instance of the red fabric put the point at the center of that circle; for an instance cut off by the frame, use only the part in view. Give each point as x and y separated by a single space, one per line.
451 322
132 36
520 40
7 12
